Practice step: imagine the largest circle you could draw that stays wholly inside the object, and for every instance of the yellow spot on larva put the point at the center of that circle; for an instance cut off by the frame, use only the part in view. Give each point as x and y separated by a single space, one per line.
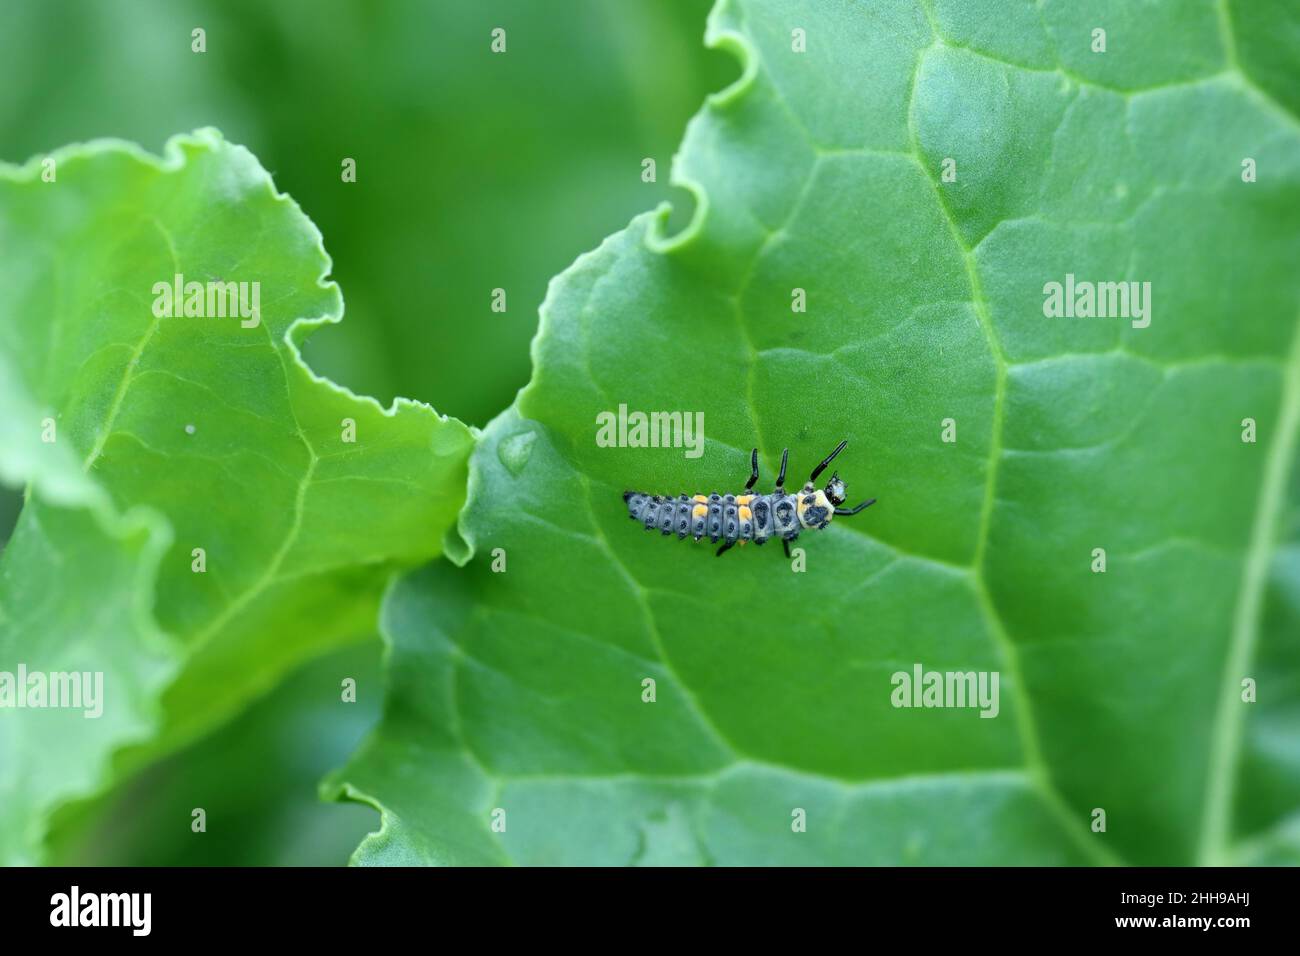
699 511
701 499
744 499
745 513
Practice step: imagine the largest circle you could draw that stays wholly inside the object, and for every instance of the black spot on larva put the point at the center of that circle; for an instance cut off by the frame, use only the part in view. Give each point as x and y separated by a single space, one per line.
784 512
666 514
762 519
809 499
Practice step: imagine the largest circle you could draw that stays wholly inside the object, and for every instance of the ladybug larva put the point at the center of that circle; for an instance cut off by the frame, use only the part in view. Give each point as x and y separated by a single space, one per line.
745 517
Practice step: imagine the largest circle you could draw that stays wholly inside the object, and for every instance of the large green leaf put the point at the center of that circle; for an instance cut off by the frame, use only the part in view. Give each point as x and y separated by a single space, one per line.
176 434
520 689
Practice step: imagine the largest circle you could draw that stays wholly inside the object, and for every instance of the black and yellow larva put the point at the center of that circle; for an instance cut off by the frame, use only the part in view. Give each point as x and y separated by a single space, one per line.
735 519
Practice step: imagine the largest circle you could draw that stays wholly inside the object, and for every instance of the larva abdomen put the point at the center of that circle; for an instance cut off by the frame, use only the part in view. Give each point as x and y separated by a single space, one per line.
727 518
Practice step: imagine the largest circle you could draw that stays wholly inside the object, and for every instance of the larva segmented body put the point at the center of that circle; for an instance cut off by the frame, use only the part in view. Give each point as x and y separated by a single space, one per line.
732 518
735 519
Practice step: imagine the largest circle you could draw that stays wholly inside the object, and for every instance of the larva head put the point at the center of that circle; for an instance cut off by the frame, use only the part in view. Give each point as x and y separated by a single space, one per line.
836 490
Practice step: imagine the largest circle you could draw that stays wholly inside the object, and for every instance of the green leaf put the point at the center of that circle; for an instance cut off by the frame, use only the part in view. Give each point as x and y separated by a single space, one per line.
176 434
483 171
520 689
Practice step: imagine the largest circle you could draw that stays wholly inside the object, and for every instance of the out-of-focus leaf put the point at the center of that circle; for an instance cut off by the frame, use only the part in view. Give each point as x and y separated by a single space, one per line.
255 780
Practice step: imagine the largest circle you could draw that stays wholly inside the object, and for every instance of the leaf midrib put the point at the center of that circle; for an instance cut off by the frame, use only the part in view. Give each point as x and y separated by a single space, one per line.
1225 752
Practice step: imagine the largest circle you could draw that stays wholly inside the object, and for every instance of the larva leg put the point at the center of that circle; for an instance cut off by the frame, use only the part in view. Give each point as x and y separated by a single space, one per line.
785 543
725 548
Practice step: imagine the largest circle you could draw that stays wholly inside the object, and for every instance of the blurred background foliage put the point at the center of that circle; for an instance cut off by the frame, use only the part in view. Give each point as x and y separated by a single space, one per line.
255 779
475 171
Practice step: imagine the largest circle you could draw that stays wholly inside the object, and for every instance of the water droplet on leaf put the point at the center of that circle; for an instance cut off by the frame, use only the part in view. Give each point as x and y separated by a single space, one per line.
515 451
